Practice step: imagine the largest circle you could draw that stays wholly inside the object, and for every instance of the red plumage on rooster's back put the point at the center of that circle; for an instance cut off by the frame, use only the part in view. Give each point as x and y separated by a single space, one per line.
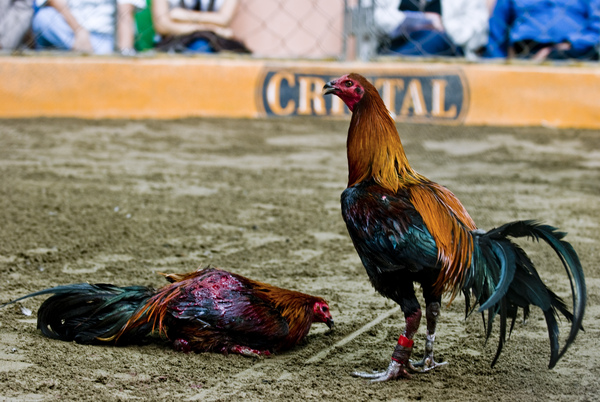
209 310
409 229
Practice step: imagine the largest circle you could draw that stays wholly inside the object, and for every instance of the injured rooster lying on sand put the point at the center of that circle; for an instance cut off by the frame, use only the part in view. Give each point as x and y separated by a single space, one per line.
209 310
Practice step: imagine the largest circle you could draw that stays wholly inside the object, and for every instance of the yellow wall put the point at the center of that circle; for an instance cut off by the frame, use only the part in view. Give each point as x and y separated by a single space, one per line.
525 96
129 88
172 87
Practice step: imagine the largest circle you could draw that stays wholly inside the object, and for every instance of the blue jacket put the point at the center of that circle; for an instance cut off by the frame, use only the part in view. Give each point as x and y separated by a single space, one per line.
544 21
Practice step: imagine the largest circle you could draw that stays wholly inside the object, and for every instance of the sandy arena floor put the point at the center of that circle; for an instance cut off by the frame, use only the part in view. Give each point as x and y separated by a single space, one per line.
119 201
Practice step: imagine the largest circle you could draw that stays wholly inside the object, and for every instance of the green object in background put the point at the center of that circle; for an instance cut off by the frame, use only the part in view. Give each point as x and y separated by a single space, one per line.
144 37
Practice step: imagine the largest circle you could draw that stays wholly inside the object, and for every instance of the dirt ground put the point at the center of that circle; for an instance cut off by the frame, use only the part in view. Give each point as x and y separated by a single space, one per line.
119 201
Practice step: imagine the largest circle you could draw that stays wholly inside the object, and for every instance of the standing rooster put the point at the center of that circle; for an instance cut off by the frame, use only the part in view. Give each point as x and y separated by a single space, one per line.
409 229
209 310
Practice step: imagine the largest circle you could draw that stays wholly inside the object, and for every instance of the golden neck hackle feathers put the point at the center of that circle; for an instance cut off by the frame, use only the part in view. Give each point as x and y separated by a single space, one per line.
295 307
375 152
374 147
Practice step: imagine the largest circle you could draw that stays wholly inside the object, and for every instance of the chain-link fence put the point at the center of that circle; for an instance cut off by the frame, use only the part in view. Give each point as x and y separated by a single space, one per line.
292 29
268 28
314 29
476 29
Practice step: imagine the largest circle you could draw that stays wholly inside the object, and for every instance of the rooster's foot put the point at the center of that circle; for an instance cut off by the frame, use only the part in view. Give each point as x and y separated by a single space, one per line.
428 363
395 370
182 345
249 352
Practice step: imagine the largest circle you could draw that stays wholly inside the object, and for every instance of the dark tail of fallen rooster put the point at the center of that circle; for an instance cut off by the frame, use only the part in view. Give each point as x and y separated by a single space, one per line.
92 314
503 278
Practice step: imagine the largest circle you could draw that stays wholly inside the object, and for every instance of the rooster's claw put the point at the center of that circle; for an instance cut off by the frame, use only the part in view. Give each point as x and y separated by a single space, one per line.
427 364
395 370
249 352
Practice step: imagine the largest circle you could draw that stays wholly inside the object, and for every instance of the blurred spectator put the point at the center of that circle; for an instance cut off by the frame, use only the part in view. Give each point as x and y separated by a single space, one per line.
432 27
545 29
86 25
198 26
15 20
145 36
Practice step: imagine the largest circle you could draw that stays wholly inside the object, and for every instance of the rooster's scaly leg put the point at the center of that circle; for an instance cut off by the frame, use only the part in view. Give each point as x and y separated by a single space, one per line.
432 313
400 365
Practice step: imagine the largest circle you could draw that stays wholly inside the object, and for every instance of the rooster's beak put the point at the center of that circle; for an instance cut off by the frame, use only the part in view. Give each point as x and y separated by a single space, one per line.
329 88
329 323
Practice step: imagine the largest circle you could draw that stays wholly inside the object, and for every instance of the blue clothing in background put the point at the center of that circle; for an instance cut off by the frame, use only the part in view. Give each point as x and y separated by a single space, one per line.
200 46
425 43
51 31
544 22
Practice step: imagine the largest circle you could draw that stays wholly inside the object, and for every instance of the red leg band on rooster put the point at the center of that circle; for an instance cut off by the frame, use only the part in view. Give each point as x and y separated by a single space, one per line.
405 342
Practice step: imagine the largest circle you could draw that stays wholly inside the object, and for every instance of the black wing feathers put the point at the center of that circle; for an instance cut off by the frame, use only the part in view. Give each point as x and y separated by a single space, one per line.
84 312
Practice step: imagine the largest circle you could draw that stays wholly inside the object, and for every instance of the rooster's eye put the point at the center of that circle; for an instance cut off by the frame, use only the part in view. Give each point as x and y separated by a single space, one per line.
348 83
324 309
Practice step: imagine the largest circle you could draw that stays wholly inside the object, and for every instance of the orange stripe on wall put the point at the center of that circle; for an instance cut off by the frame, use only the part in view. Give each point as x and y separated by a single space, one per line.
530 95
173 87
121 88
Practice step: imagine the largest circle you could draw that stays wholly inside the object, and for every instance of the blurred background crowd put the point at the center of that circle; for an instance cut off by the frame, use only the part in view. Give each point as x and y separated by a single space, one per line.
472 29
